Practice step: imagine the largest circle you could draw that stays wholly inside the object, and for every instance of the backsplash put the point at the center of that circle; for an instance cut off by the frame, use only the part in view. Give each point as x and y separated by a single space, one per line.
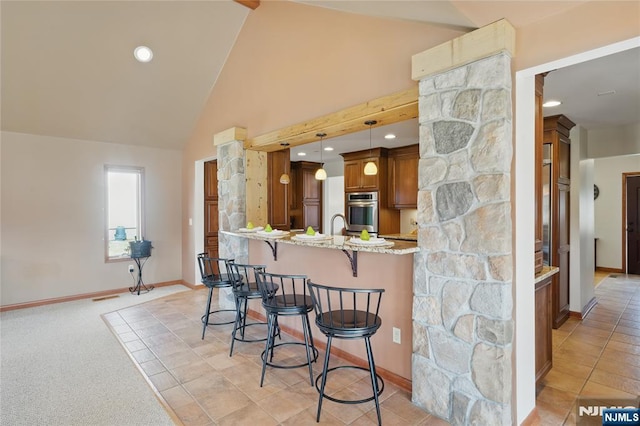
408 220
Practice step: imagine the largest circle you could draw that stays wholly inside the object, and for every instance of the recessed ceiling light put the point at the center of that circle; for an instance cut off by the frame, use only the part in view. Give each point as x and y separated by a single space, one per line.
551 104
328 148
390 136
302 154
143 54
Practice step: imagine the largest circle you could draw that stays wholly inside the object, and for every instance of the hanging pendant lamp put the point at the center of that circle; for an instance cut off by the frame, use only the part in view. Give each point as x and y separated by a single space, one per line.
370 168
284 177
321 174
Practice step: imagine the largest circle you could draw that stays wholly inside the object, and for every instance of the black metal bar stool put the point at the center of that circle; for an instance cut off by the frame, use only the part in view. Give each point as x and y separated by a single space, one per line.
215 274
347 313
244 289
286 295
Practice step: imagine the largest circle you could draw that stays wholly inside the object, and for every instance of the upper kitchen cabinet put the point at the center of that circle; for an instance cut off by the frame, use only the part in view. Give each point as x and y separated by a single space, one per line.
354 178
403 177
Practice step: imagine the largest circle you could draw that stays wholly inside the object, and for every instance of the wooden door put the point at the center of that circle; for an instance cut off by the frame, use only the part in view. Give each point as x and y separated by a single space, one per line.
278 201
211 208
561 290
633 225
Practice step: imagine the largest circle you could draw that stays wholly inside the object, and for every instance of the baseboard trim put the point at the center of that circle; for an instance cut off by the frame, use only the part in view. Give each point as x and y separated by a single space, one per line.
97 294
387 375
610 270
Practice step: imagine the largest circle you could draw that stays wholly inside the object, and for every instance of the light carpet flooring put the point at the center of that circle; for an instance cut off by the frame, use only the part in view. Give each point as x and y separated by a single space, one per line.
60 365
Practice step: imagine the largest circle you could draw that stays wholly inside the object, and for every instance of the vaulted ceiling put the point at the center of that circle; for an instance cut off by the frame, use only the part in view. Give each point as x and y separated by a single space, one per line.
68 68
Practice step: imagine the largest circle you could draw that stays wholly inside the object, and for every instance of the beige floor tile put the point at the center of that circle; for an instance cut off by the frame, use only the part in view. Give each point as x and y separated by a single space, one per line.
571 368
188 372
621 357
593 389
563 381
251 414
152 367
192 414
224 402
285 404
617 365
143 355
625 338
163 381
308 418
615 381
624 347
628 330
177 397
400 404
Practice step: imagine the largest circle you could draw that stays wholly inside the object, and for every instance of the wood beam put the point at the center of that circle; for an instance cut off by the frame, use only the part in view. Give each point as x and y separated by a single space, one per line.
386 110
251 4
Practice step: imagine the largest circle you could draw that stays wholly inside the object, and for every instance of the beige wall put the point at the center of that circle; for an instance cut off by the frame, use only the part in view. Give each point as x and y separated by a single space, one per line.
53 217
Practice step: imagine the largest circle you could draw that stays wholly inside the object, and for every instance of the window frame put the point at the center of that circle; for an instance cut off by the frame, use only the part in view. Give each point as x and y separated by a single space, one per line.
140 172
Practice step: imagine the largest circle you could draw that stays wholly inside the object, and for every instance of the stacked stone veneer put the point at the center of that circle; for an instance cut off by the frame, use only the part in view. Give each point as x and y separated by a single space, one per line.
231 208
462 309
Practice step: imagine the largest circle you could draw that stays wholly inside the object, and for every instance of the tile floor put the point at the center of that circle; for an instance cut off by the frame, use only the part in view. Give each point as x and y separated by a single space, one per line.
202 385
595 357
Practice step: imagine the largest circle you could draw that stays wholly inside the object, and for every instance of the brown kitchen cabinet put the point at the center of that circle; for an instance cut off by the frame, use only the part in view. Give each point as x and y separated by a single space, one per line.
278 162
543 336
403 177
354 178
306 196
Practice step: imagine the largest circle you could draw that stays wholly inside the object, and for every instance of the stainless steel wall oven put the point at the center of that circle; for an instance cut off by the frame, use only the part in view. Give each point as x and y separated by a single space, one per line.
362 212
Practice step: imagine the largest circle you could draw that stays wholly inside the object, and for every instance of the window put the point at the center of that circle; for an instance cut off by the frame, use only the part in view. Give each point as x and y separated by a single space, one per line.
124 210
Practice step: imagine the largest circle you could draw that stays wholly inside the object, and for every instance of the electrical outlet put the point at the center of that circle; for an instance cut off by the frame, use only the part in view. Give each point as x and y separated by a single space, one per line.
396 335
131 268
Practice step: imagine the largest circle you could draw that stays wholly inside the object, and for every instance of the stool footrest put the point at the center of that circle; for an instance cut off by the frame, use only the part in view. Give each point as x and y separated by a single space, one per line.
221 322
346 401
242 339
271 364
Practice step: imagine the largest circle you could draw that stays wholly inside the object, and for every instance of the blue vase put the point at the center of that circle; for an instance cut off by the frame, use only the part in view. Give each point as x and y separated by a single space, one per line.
121 234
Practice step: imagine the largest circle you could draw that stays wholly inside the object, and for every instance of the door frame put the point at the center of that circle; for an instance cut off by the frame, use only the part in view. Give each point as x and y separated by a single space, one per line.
524 241
625 243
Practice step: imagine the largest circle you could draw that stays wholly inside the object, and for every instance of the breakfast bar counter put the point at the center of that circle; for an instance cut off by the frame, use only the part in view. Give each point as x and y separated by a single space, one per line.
337 261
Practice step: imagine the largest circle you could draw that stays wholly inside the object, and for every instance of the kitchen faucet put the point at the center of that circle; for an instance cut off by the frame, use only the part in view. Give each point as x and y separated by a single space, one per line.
344 219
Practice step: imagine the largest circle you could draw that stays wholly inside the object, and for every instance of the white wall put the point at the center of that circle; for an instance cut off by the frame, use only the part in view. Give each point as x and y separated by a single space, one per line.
53 216
333 193
614 141
581 268
608 207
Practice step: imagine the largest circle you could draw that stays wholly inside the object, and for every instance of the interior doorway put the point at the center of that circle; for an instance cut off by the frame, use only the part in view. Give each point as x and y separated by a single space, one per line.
631 222
211 208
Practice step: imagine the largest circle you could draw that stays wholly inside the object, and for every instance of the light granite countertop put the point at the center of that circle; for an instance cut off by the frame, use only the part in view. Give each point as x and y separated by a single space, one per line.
545 273
334 242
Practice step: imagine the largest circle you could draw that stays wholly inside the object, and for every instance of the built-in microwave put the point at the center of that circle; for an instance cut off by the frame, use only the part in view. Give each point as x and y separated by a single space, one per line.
362 212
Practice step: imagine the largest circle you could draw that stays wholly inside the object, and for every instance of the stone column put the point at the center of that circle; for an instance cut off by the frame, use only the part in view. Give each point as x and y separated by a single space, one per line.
231 200
462 310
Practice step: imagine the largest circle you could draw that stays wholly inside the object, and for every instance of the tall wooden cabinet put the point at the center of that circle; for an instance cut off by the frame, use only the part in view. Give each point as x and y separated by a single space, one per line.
557 149
278 200
306 196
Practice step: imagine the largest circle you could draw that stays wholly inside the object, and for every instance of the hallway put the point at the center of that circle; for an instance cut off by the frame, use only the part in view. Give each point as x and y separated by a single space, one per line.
596 357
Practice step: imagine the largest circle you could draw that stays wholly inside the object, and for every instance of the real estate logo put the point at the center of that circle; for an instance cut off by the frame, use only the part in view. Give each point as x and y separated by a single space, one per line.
608 411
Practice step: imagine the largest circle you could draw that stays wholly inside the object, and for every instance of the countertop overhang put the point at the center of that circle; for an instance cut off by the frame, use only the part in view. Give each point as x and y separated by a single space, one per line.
337 242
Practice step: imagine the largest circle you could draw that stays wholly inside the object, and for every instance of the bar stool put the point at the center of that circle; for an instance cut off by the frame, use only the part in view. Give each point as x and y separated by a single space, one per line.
244 289
215 274
347 313
286 295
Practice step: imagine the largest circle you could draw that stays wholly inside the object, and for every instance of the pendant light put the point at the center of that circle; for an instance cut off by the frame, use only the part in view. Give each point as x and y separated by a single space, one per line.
284 177
321 174
370 168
